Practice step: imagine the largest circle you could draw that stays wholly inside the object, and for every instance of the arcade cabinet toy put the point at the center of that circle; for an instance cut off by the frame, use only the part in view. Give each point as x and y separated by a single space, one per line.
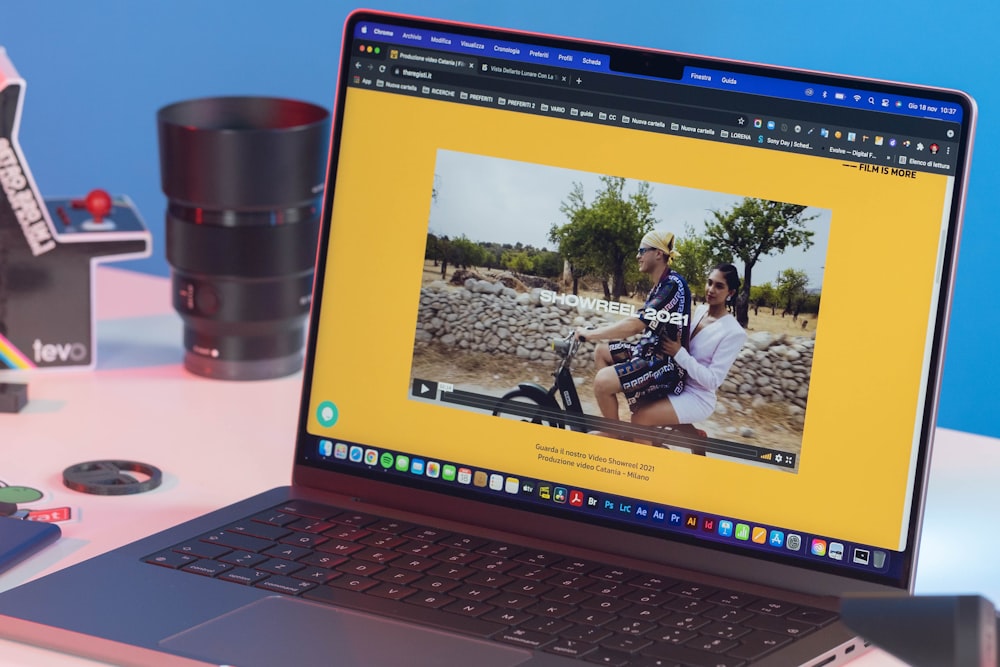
48 250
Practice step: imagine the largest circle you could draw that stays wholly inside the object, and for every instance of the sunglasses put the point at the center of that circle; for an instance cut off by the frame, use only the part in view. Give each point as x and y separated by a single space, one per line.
643 251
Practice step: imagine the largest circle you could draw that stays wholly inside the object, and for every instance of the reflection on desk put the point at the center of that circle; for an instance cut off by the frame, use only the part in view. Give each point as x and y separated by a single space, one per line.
217 442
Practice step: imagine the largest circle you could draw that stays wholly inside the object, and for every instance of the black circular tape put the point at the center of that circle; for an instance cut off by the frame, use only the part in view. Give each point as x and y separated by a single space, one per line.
111 478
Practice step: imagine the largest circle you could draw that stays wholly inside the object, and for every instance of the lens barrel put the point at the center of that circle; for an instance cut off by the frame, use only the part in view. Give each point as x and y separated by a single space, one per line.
243 178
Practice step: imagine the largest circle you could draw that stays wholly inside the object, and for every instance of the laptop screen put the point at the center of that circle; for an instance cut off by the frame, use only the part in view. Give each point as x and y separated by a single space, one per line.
696 299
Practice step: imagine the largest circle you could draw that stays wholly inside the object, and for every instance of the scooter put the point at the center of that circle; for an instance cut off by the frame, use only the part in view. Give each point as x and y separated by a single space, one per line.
559 406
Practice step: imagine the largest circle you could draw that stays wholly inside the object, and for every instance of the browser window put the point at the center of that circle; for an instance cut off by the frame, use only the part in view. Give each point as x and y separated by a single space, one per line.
494 160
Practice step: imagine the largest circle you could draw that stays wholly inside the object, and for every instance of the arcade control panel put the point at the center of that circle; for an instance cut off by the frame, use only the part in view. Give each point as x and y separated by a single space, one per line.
97 212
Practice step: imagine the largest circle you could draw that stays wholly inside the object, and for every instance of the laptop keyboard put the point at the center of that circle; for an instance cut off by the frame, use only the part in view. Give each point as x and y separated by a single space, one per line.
540 600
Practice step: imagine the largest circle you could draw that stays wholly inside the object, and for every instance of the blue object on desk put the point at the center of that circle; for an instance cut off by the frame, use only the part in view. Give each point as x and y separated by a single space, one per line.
19 539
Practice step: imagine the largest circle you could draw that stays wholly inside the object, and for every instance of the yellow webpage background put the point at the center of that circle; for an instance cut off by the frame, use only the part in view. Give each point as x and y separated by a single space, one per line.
865 386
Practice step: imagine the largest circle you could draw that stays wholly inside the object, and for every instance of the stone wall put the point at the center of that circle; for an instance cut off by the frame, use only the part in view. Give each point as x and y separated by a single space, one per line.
484 316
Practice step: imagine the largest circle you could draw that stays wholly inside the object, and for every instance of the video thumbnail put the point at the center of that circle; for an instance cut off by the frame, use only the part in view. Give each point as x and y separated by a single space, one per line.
523 260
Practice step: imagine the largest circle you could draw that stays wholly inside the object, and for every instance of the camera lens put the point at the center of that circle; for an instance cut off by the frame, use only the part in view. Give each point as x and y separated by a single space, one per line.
243 178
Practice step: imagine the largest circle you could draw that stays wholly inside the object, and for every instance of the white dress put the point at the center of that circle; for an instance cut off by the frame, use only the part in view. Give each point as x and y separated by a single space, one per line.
707 360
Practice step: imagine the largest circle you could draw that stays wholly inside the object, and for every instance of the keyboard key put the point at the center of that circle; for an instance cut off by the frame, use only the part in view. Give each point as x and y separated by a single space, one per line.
617 575
724 630
684 621
351 582
340 547
310 525
653 582
357 519
582 633
463 542
171 559
307 509
576 566
328 561
603 656
430 600
609 605
383 541
780 625
426 534
631 627
244 575
347 533
727 615
392 591
539 557
380 556
490 579
208 568
274 518
500 550
202 549
391 526
287 552
732 598
640 613
758 643
469 608
647 597
360 568
771 607
525 638
397 576
285 585
237 541
570 648
242 558
671 635
507 616
280 566
304 540
692 590
436 584
817 617
316 575
711 644
595 618
548 626
625 643
257 529
552 609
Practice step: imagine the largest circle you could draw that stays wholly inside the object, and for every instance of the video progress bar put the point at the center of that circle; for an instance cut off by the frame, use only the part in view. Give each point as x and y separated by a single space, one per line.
585 423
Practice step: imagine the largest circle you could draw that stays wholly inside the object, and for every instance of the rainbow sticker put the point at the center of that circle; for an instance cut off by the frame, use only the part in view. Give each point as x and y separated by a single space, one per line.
13 358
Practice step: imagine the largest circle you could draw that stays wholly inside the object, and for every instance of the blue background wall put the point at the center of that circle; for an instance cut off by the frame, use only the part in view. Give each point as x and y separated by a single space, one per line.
97 71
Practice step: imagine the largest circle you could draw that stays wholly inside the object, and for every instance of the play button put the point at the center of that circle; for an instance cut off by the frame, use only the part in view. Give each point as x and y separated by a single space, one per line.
424 388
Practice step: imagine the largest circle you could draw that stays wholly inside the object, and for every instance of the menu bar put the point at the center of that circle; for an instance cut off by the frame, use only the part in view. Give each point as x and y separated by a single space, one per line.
482 82
792 88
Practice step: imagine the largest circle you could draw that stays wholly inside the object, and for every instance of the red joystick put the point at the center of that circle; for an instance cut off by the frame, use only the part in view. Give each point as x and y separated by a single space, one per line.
97 203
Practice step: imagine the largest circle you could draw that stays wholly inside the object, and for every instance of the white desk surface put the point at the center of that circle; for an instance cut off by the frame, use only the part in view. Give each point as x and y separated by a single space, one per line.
140 404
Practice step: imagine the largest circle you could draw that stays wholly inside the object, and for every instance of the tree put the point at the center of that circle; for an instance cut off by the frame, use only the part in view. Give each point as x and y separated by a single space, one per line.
753 229
601 237
763 296
695 256
791 289
465 253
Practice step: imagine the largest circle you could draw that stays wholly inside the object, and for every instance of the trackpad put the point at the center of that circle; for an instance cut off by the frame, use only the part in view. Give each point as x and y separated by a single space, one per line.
287 631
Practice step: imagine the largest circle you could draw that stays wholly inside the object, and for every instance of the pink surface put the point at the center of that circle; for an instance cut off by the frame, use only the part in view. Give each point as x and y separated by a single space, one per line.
137 295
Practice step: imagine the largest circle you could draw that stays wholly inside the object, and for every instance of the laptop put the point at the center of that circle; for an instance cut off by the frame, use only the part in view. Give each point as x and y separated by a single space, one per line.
462 491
